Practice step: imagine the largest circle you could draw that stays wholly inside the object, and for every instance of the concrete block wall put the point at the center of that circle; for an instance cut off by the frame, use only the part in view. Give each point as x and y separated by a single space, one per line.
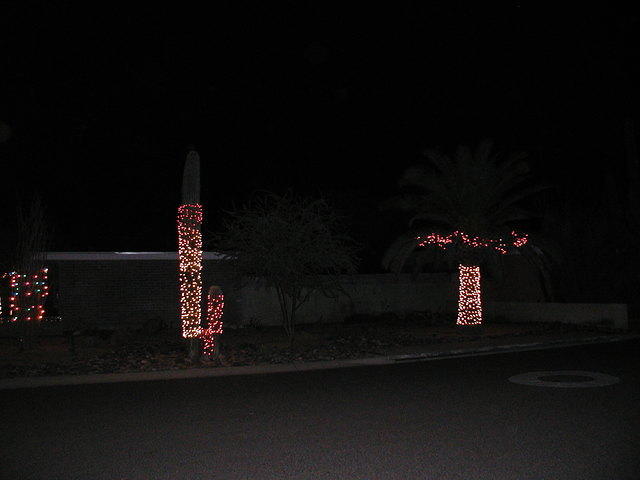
365 294
95 291
404 293
112 290
613 314
107 291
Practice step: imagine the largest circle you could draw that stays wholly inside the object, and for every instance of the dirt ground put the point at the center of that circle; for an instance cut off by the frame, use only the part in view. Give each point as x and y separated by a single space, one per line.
110 352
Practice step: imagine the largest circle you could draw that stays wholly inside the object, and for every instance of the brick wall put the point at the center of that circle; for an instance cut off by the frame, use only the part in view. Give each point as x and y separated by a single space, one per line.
113 290
365 294
126 293
384 293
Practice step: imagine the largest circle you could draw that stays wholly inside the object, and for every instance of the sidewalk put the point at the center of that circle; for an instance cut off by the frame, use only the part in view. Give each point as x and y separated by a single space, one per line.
485 346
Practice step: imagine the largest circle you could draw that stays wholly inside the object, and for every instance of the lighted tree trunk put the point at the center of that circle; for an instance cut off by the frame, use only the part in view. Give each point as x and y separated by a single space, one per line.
469 295
190 217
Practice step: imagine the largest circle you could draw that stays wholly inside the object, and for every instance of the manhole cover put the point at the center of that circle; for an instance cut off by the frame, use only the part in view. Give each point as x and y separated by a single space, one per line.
564 379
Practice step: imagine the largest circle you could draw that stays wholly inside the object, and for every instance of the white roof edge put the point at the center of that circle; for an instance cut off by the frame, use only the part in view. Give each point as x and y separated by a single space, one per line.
125 256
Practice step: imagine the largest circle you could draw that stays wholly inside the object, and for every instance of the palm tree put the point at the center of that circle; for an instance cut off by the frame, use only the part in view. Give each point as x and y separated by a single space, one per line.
470 205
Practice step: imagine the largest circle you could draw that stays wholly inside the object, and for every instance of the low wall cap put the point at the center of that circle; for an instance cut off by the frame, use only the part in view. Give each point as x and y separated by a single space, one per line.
125 256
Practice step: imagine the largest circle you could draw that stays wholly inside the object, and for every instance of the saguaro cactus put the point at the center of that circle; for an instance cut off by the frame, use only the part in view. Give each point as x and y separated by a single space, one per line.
190 216
215 307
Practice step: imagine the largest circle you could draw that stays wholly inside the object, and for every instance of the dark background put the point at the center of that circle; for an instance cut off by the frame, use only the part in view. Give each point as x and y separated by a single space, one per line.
318 97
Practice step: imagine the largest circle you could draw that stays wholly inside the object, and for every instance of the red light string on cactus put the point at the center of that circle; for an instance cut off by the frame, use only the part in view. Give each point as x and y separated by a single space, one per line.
215 307
27 295
190 268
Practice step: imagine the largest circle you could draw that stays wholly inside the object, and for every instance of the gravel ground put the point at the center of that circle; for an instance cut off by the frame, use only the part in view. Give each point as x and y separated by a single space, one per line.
135 352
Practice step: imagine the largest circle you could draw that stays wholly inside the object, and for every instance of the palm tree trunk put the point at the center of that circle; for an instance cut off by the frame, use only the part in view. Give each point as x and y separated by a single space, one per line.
469 298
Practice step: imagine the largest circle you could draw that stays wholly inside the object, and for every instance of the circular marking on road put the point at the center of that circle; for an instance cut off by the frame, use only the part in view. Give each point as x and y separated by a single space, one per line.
564 379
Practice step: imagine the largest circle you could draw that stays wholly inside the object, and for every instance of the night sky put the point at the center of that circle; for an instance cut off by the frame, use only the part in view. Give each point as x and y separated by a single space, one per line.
317 97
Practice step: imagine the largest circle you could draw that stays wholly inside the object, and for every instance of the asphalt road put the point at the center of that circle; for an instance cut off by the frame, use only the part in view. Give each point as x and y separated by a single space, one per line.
448 419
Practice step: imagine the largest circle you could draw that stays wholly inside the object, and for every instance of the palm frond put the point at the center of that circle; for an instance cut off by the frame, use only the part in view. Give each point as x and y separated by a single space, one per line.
438 160
431 217
483 150
519 195
398 252
511 216
405 202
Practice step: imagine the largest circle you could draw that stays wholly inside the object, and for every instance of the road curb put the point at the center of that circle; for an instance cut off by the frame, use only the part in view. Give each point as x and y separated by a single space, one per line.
518 347
65 380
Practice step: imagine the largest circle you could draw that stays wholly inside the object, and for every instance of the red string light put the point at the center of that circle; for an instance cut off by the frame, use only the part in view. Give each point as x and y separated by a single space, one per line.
444 241
28 294
215 307
190 268
469 302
